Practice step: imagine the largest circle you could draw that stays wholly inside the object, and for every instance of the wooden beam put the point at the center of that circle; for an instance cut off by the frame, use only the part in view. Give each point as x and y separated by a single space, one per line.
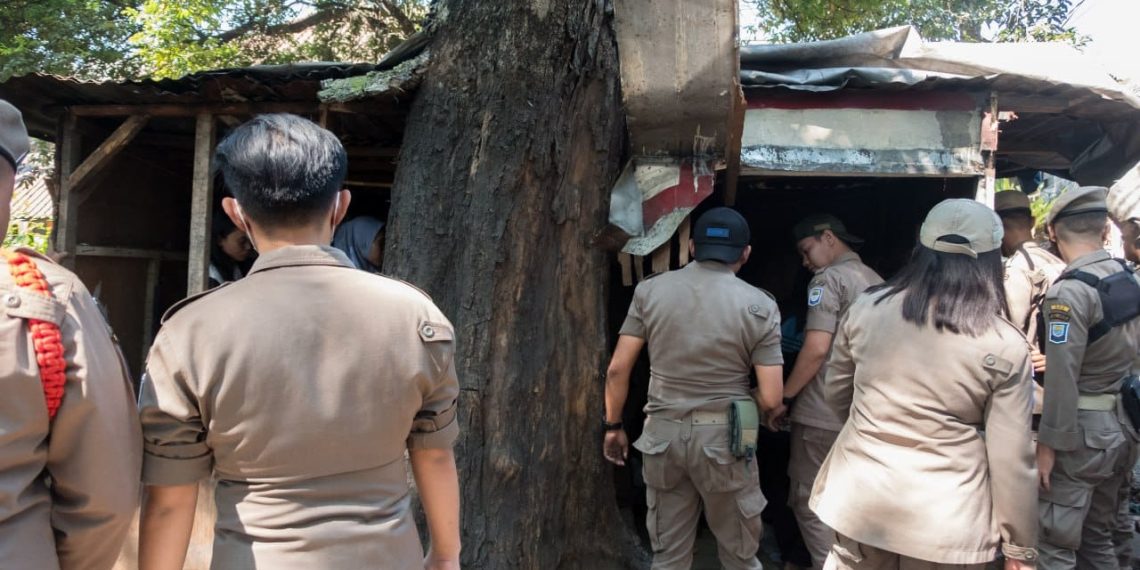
69 149
990 130
129 252
194 110
1034 104
203 193
153 268
80 178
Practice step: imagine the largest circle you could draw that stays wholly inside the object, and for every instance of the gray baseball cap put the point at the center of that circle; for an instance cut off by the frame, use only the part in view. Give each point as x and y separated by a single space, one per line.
967 219
14 143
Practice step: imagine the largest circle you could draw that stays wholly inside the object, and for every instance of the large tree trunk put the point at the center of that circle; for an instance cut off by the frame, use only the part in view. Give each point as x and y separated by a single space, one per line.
511 147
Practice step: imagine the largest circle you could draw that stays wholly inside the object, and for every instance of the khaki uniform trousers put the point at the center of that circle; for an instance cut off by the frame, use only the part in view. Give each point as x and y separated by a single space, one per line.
847 554
810 446
688 463
1079 514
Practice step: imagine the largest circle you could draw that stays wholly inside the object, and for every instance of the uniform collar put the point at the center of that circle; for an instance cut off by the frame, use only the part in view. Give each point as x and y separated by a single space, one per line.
298 255
1090 258
845 257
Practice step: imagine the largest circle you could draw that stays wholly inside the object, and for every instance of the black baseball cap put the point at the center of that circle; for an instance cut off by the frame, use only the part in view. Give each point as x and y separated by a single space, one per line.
816 224
721 234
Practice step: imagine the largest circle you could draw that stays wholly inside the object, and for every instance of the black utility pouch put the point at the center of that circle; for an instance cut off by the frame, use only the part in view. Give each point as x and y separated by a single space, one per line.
1130 398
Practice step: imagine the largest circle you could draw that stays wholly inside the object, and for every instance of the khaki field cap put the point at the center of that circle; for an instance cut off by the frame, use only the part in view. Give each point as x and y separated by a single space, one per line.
1124 198
968 219
14 142
815 224
1083 200
1011 201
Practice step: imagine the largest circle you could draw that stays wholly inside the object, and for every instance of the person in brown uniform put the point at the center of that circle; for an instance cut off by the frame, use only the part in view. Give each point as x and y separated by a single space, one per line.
840 276
1082 449
300 387
1029 270
706 330
70 445
934 465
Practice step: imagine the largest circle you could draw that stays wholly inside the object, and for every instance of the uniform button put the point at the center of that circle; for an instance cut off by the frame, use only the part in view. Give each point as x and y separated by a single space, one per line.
754 309
428 331
990 360
12 300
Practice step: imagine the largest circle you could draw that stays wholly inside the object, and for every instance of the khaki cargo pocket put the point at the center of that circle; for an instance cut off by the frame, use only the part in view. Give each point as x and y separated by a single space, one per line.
751 503
1062 510
651 520
724 472
655 469
1100 455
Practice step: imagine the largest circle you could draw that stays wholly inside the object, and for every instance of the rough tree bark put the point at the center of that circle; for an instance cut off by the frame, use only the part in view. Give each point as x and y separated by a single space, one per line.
511 147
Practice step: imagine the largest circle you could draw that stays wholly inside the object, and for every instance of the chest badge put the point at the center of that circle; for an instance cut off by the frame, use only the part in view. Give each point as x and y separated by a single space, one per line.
1059 333
815 295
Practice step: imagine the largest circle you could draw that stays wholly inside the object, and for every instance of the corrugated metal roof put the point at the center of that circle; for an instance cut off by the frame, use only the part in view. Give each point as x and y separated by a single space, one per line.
32 201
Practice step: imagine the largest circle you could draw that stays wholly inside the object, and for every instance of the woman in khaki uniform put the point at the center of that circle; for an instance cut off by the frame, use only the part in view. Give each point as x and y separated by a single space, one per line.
920 368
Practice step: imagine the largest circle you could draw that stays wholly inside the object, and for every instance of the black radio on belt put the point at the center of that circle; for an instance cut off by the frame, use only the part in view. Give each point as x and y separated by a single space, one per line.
1130 397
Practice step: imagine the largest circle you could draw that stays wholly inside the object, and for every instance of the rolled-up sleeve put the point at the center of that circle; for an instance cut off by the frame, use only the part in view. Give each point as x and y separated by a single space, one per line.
634 324
175 450
435 425
823 303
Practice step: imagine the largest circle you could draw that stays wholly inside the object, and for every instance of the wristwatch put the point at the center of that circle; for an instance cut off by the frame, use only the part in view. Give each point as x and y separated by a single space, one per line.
611 426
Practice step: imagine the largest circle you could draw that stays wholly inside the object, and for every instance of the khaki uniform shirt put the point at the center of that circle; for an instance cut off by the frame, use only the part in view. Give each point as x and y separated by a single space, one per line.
705 328
1028 274
92 450
1074 366
301 387
830 292
911 472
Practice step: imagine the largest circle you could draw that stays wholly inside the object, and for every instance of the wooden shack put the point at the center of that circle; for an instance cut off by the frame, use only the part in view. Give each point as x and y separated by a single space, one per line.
133 187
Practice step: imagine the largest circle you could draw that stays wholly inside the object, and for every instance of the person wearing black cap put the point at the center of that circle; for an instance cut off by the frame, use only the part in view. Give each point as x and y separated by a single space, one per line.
840 276
1083 447
706 330
72 447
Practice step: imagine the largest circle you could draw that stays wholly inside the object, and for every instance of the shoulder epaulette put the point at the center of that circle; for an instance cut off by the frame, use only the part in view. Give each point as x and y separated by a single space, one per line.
188 300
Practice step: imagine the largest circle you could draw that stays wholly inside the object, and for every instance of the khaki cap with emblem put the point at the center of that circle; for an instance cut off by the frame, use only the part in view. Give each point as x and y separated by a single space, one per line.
1083 200
957 219
14 142
1011 201
815 224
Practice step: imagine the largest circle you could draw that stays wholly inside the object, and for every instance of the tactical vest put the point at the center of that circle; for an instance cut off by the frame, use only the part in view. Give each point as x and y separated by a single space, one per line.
1119 297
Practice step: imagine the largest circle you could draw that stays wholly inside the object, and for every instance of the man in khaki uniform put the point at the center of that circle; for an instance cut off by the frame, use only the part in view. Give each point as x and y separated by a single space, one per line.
1124 208
1029 270
840 277
933 468
1082 451
69 484
301 386
706 331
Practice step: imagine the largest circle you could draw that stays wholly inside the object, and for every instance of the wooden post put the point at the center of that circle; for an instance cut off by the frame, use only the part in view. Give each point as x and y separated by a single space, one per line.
68 225
153 267
202 197
990 130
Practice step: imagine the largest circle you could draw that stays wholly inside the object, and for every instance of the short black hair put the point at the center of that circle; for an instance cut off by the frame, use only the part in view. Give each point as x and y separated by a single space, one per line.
1088 226
953 292
284 170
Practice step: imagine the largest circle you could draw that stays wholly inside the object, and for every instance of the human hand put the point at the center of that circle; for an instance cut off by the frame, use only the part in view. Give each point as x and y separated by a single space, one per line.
616 447
1011 564
1046 456
775 417
1038 361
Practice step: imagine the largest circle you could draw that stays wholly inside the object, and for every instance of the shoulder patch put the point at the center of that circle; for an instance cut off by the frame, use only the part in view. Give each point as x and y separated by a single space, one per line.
1058 333
1059 312
184 302
815 295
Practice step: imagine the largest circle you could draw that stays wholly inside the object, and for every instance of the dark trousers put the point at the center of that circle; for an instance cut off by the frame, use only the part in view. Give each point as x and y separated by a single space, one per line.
775 449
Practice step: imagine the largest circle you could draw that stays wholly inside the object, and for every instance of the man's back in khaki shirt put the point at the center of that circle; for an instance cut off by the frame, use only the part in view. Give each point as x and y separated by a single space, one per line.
70 486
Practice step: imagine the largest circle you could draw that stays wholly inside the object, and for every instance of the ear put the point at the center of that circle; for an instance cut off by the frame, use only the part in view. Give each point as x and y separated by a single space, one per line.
342 206
230 206
745 254
692 249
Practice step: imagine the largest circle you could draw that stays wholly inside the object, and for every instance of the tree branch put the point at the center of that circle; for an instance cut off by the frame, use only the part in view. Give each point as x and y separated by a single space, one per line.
406 23
314 19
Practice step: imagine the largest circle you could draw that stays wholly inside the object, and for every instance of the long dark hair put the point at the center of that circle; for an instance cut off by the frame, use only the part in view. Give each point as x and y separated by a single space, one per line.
954 292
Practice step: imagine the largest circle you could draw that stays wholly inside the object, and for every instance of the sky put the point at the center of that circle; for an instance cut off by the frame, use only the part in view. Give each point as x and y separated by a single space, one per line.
1111 26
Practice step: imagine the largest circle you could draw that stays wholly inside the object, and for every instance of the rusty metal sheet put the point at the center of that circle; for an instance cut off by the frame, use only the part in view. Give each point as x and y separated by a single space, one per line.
679 73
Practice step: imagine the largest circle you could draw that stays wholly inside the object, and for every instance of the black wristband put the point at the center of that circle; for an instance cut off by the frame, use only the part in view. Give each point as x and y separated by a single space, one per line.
611 427
788 402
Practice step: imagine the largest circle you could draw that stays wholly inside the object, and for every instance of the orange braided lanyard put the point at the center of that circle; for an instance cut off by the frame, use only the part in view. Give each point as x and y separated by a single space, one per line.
46 337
